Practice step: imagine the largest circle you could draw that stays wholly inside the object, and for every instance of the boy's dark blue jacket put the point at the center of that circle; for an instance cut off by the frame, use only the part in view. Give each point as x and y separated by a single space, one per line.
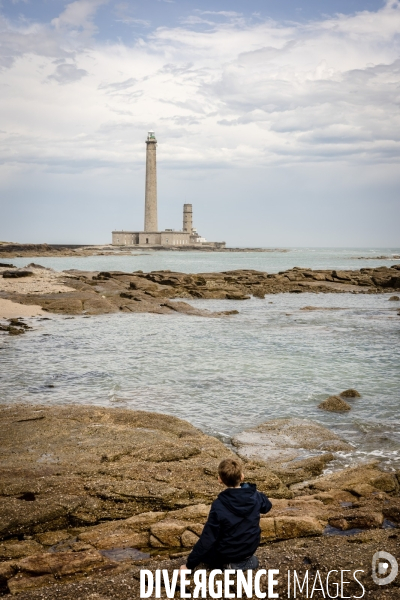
232 532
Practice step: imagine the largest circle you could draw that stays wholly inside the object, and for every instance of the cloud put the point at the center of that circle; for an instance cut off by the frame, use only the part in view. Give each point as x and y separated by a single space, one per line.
125 13
78 14
241 93
134 22
67 73
118 85
222 13
71 31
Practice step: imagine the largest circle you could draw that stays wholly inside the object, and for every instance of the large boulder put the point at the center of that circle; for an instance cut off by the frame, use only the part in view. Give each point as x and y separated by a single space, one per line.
293 527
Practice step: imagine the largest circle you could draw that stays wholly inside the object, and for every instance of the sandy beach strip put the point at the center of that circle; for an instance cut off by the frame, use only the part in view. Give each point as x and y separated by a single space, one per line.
12 310
42 281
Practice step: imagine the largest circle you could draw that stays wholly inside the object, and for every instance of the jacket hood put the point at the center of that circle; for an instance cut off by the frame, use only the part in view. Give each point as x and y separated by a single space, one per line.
240 501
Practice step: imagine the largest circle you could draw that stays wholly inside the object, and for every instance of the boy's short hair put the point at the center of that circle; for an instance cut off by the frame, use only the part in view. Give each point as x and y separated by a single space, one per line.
230 471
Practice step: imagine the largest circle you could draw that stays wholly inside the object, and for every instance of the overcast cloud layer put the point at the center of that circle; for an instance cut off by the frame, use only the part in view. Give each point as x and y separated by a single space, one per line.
280 133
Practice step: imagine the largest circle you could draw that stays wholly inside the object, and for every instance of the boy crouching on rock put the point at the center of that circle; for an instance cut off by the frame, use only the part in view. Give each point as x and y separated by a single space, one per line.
232 532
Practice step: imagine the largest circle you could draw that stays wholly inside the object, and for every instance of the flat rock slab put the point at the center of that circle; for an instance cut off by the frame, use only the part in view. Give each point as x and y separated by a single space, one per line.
75 466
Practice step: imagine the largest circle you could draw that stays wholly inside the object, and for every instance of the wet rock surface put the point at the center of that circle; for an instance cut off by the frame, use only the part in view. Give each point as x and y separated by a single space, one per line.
295 449
165 292
350 393
16 326
335 404
86 493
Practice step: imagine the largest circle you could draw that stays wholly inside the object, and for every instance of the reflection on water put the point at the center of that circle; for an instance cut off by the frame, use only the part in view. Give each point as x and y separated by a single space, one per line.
224 375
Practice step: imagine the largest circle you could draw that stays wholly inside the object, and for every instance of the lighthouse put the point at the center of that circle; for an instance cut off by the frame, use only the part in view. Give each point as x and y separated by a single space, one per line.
151 236
150 201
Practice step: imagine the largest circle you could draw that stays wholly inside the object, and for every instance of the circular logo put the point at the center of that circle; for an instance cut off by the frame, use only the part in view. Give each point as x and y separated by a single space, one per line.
380 570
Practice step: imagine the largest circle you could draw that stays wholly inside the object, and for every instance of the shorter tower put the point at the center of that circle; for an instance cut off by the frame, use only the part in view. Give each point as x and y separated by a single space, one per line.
187 218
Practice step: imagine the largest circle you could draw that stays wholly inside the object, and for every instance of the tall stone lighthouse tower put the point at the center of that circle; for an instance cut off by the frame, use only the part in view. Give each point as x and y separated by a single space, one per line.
150 208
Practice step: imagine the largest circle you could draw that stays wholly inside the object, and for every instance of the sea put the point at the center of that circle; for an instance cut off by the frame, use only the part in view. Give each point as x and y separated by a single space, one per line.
274 359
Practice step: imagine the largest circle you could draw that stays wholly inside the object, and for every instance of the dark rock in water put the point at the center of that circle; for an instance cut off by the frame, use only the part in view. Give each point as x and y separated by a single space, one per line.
15 330
350 393
334 404
35 266
17 322
16 274
7 265
394 298
16 327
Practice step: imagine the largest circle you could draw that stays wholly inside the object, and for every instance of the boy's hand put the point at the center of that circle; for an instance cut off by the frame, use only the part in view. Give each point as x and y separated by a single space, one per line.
183 568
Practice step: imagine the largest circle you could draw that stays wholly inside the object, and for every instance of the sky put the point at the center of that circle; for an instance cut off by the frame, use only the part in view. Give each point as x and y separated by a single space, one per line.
278 121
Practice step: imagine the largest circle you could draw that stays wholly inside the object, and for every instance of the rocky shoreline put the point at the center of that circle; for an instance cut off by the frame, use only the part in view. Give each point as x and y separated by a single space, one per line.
164 292
14 250
90 494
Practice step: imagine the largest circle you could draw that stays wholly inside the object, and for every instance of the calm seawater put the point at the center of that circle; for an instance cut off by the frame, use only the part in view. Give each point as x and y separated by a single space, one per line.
202 262
224 375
